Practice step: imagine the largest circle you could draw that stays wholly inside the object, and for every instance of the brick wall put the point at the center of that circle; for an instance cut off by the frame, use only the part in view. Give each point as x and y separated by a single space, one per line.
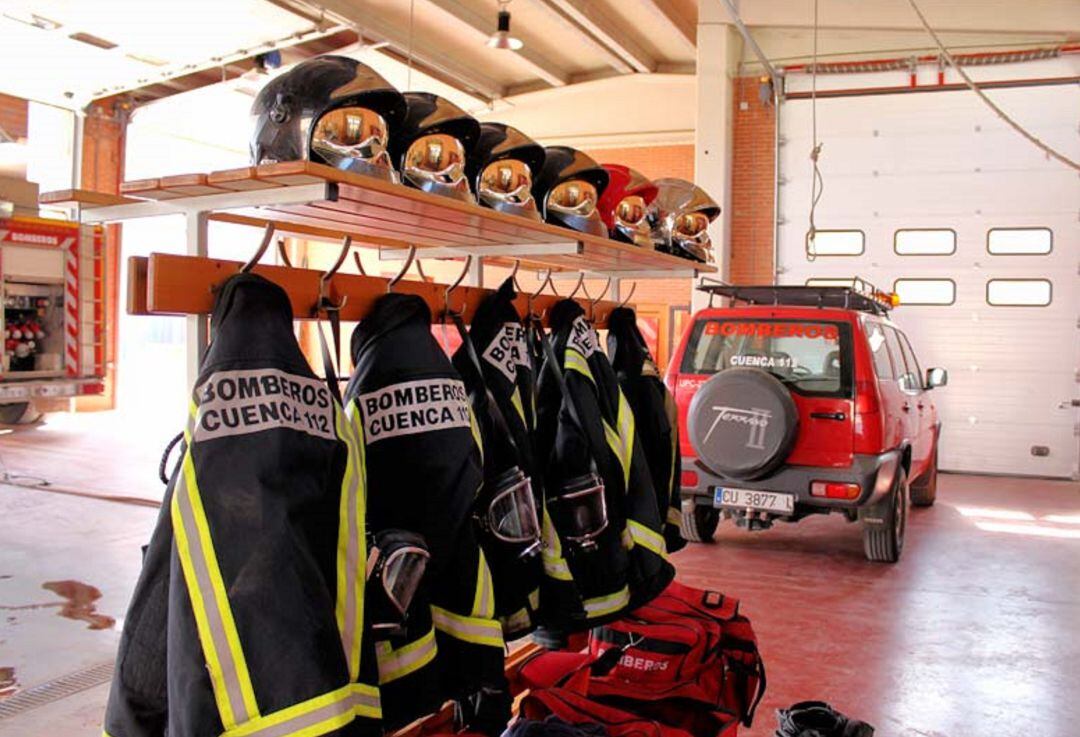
752 173
13 116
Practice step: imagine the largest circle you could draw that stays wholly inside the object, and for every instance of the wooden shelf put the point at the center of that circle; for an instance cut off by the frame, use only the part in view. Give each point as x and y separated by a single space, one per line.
375 213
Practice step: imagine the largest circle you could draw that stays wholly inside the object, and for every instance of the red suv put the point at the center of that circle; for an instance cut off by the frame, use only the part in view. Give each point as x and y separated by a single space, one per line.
804 400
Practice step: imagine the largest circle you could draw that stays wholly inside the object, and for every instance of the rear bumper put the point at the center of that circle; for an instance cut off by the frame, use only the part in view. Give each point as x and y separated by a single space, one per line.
873 473
24 391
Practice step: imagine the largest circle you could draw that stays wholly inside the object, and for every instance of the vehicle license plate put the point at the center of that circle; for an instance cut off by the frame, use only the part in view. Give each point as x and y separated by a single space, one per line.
765 501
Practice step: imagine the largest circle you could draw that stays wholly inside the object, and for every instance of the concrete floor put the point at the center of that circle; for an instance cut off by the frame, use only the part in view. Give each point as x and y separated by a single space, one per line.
973 633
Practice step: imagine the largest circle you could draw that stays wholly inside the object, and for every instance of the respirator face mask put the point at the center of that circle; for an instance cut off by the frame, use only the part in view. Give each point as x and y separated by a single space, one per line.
510 516
580 511
396 563
354 139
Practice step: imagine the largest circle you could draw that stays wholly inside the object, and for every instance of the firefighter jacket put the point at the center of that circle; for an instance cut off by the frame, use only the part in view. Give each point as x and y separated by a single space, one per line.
655 416
502 390
584 422
249 607
424 469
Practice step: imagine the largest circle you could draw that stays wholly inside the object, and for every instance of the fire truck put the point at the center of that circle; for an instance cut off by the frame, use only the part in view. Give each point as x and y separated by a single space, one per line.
52 287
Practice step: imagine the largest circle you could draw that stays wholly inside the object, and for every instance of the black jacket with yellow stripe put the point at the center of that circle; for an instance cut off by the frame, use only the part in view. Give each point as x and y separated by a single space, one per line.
628 566
247 617
423 460
655 415
503 393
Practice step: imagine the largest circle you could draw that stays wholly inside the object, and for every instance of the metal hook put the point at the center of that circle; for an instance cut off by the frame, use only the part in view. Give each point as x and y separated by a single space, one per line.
268 235
324 281
623 302
577 287
359 264
592 302
404 267
546 281
457 282
513 275
282 254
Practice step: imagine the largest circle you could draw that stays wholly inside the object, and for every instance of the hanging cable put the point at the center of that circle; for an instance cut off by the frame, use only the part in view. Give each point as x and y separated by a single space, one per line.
990 103
817 184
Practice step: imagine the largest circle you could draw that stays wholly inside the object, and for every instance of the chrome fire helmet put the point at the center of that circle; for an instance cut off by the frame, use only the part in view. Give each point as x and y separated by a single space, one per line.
680 217
502 167
625 204
330 110
568 188
431 146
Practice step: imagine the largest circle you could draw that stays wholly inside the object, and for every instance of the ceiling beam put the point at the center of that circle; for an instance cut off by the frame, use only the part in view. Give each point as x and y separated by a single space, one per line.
665 12
538 64
441 66
687 69
592 20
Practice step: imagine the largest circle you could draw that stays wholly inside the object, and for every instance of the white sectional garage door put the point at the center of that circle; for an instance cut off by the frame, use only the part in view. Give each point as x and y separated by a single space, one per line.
932 194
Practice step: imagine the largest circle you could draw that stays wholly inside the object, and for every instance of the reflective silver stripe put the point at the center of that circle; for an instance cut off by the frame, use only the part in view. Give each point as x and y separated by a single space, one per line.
395 664
645 537
469 629
483 598
207 606
314 717
603 605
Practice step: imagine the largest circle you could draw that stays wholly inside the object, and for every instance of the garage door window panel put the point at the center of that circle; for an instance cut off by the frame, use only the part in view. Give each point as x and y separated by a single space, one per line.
925 242
835 243
917 292
1019 292
810 358
1019 241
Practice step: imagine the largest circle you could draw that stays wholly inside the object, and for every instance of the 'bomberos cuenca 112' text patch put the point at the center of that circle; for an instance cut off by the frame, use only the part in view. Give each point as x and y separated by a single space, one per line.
241 402
412 407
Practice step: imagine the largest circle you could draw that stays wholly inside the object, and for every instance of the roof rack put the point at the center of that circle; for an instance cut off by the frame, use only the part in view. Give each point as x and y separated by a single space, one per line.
848 294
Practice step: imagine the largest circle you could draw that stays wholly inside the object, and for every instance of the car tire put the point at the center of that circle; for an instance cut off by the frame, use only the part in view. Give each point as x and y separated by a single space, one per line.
883 542
14 413
924 488
700 525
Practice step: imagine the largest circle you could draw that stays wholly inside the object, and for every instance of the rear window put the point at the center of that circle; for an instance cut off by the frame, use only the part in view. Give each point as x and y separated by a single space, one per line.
811 358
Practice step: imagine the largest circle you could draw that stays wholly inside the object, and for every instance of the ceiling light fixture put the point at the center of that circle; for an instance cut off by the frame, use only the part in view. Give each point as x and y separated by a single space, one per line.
502 39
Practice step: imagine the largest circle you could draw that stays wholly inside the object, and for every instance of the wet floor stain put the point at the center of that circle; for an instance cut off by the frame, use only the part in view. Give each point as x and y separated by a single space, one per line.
8 683
78 604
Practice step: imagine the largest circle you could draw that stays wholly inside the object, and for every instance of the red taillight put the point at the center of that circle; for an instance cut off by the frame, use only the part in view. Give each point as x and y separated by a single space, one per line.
866 397
835 490
689 478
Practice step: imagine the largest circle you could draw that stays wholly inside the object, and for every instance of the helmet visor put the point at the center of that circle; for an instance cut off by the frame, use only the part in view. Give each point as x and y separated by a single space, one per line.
354 139
512 513
690 226
506 180
401 575
573 197
630 211
436 163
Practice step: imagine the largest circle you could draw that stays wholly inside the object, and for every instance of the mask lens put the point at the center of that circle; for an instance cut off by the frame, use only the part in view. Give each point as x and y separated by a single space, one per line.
582 509
401 575
573 197
512 512
440 157
630 211
508 180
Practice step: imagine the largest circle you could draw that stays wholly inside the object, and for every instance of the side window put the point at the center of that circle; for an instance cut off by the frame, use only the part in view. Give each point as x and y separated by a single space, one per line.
911 361
892 342
882 363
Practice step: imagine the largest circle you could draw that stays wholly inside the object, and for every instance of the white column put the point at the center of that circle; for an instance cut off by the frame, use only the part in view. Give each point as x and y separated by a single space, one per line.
719 48
197 332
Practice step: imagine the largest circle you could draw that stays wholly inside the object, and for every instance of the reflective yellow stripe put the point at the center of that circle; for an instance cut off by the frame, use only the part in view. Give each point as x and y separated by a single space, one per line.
555 565
575 361
214 621
475 427
646 538
603 605
476 630
352 542
516 622
395 664
515 399
534 599
627 539
673 516
314 717
484 597
622 439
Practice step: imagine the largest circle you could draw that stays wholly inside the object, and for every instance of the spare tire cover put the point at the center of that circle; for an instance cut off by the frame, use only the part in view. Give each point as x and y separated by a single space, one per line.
742 423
